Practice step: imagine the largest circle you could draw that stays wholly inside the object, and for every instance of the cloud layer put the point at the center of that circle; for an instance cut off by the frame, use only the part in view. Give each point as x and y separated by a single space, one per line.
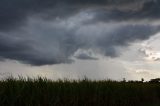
51 32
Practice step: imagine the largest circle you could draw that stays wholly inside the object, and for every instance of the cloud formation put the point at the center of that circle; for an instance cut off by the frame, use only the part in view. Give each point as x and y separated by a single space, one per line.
51 32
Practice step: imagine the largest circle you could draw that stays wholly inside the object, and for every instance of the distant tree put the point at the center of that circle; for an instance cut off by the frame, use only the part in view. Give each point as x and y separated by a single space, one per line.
156 80
142 79
124 80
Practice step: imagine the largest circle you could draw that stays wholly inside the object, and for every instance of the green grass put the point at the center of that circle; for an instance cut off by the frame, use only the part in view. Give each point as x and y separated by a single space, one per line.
43 92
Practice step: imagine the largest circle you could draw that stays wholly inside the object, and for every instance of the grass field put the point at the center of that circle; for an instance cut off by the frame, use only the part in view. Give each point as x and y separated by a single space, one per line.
43 92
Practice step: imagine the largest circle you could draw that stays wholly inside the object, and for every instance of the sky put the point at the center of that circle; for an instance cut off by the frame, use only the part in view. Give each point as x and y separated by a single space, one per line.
98 39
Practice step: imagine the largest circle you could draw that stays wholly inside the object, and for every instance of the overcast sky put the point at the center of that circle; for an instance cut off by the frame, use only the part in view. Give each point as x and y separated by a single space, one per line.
99 39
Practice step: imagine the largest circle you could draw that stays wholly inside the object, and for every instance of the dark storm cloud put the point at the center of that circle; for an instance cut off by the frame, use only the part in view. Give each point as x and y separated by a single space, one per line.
26 53
14 13
148 11
44 32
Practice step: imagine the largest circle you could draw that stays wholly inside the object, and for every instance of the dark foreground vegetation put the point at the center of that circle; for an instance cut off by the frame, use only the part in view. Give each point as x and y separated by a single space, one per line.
43 92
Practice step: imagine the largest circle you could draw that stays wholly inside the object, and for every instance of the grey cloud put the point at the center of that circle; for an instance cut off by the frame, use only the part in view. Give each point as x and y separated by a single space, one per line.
23 52
156 59
14 13
142 10
85 55
50 32
147 53
44 45
122 35
37 48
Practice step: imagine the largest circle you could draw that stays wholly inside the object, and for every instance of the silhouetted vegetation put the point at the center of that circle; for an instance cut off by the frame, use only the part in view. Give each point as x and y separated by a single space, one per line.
156 80
44 92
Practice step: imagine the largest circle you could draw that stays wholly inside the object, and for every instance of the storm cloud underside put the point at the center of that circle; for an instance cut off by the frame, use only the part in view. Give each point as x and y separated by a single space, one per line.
52 31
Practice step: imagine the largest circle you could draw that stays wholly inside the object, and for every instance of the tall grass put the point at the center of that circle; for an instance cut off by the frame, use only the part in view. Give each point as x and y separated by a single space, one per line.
44 92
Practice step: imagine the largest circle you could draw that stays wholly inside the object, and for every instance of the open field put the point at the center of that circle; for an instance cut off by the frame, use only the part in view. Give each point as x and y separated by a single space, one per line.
43 92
